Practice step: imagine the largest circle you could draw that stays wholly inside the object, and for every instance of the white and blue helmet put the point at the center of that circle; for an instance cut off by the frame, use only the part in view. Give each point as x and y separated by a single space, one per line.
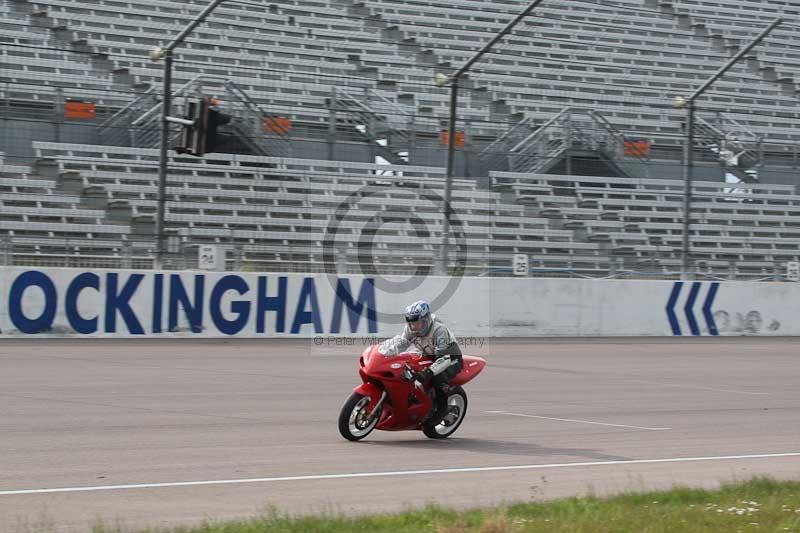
419 318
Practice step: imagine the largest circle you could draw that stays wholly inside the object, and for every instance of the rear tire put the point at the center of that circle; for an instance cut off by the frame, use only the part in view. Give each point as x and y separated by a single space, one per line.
457 406
353 423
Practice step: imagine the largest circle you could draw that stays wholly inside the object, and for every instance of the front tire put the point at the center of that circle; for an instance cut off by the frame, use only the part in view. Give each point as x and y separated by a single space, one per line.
457 410
353 422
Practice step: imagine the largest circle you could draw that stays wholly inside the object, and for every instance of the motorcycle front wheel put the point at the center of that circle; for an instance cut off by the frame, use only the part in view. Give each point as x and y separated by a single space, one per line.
456 411
354 423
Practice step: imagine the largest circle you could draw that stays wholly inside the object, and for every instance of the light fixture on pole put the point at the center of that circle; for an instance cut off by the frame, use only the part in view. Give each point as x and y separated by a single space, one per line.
156 54
440 80
687 103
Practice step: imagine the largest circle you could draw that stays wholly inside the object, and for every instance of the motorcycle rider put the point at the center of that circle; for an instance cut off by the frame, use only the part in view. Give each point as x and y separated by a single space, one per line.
431 338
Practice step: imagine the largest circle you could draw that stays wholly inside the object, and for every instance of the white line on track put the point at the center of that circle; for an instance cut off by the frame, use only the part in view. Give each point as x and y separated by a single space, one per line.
397 473
506 413
693 387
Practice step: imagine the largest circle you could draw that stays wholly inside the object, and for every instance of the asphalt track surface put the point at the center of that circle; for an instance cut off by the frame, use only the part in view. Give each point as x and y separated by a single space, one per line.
120 431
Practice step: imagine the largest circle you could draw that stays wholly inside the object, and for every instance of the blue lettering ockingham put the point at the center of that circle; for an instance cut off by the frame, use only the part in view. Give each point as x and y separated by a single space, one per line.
308 295
178 295
344 297
120 301
241 309
87 280
155 303
17 314
276 303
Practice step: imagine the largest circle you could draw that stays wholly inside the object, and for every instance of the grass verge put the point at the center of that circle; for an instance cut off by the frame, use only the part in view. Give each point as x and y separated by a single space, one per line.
758 505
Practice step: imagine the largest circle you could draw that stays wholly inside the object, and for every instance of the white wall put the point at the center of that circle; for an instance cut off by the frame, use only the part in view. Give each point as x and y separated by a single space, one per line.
72 302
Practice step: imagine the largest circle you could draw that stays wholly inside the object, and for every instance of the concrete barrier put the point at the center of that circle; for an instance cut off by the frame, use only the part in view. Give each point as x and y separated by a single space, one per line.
106 303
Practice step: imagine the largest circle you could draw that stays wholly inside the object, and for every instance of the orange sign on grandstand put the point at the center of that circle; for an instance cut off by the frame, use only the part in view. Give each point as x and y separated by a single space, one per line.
459 141
277 124
80 110
637 147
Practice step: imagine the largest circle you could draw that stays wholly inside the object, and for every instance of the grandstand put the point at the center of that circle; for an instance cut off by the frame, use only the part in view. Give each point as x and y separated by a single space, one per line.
571 147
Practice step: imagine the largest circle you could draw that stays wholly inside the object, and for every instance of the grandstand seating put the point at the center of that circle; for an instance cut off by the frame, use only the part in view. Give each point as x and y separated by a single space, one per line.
281 211
624 58
35 64
603 56
287 208
44 219
620 58
733 24
747 223
286 67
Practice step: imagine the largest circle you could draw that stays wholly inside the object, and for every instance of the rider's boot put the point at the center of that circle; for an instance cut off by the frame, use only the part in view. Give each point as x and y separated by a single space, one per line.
440 409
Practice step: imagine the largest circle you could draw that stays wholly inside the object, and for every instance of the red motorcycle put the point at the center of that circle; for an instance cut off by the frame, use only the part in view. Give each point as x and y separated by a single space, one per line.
388 400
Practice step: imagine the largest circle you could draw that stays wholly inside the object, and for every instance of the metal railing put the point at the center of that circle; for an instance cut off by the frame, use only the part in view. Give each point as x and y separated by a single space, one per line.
183 255
117 129
571 129
495 155
145 131
737 148
139 123
262 132
376 120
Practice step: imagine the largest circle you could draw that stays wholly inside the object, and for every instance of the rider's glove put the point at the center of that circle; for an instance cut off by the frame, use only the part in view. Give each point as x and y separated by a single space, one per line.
418 377
422 376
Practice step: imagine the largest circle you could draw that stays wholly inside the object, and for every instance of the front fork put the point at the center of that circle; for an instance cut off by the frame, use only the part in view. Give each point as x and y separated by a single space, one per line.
372 391
377 409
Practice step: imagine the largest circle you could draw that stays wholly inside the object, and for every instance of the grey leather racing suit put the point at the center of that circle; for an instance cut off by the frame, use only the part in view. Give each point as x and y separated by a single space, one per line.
439 344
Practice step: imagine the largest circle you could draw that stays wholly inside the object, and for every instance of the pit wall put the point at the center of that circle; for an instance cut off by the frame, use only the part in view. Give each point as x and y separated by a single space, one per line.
115 303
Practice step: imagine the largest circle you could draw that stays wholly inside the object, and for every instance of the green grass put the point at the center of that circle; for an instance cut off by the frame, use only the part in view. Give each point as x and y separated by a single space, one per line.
758 505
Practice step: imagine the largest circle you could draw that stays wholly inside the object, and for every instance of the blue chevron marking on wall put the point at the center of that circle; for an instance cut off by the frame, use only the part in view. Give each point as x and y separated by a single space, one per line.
689 308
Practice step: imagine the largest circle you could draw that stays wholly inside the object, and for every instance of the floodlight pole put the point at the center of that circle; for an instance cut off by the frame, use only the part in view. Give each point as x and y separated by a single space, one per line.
166 105
453 80
688 146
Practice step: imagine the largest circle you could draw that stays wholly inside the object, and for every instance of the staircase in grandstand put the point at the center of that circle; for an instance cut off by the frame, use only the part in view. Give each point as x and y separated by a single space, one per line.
737 148
529 148
382 123
262 132
138 125
119 129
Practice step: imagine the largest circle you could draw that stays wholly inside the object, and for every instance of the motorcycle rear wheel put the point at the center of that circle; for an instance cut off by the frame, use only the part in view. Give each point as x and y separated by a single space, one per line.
353 422
457 410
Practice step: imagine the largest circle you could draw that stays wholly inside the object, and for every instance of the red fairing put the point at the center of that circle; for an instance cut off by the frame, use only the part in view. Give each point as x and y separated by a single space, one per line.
472 366
406 405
